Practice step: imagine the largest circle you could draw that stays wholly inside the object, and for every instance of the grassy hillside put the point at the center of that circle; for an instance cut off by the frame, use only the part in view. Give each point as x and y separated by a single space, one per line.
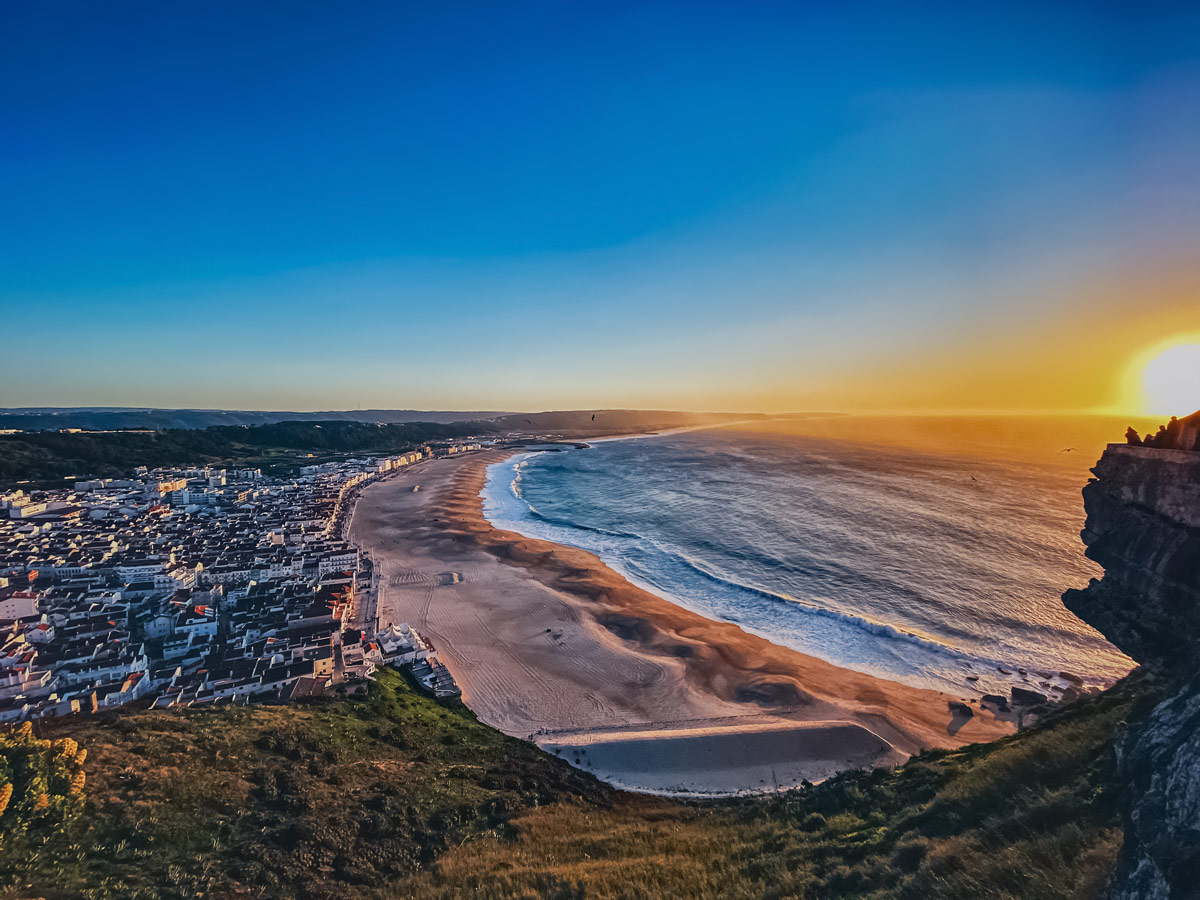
397 795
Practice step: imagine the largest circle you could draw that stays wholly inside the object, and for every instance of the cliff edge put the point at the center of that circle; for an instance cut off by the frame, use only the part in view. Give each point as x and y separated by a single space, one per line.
1143 527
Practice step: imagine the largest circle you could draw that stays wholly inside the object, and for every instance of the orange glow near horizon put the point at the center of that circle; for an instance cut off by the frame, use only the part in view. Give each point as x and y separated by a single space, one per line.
1088 349
1164 378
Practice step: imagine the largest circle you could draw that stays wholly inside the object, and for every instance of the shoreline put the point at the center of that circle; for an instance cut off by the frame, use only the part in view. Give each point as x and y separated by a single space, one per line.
550 644
1082 659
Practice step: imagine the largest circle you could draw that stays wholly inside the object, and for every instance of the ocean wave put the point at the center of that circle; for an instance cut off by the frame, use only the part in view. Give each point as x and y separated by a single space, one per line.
807 607
580 526
683 502
515 489
928 661
619 558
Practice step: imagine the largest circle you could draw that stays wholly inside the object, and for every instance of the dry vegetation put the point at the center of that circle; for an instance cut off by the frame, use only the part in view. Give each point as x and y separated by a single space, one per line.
399 796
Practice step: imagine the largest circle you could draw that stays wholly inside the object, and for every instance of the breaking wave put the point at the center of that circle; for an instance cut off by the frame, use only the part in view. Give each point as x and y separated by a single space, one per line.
879 580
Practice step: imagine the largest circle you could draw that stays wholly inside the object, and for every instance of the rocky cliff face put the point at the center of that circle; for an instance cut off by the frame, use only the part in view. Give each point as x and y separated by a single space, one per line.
1143 527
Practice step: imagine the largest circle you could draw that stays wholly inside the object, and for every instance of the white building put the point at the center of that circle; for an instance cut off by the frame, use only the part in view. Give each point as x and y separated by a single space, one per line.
21 605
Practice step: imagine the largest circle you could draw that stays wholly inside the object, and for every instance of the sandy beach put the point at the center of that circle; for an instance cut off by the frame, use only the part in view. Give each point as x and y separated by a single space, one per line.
550 644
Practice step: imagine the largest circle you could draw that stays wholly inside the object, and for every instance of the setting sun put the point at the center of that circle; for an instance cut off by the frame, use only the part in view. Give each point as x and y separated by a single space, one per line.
1170 380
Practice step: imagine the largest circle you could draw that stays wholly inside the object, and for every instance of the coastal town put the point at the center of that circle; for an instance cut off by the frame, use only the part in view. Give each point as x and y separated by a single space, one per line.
183 586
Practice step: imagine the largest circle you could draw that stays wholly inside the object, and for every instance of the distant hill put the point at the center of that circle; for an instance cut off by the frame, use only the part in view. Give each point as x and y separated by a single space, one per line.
102 418
582 422
121 417
45 458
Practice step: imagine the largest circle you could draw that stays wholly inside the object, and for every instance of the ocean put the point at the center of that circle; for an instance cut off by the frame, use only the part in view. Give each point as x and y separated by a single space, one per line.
922 551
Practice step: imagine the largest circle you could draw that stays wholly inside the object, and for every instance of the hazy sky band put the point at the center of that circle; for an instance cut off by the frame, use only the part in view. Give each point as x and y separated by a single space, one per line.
643 204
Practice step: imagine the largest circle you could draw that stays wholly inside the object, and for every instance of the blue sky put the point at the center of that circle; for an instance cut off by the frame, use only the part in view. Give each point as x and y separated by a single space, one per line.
314 205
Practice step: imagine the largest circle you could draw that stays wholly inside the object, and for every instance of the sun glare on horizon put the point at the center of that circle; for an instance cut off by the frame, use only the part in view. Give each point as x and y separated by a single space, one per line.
1168 378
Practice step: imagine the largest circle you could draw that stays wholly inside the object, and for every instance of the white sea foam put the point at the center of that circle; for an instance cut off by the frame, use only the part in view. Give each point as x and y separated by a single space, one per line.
824 626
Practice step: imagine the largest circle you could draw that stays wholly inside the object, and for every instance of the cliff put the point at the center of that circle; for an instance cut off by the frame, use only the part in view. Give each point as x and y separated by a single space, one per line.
1143 527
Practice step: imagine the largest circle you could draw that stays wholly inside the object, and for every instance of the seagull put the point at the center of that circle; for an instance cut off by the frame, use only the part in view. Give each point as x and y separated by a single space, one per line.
1068 450
973 478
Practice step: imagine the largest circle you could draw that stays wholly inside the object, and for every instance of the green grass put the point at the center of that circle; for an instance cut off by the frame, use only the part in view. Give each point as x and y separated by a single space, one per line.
1031 816
321 799
397 795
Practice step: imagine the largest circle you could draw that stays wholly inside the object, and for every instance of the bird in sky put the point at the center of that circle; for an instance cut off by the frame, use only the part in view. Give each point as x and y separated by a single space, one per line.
1067 450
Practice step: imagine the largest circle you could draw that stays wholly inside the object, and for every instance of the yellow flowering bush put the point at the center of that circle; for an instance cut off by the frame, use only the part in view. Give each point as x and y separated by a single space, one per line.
41 782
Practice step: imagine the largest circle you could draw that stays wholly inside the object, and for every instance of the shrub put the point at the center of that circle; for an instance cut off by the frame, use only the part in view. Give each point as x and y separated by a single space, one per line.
41 782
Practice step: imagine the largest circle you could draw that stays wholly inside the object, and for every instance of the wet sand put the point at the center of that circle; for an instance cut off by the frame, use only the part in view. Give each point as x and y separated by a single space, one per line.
550 644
